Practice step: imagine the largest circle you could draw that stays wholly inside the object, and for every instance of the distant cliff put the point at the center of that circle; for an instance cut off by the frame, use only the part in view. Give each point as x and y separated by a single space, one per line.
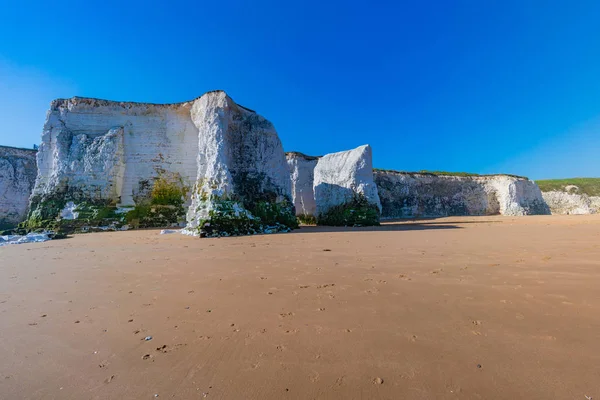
408 195
572 196
17 177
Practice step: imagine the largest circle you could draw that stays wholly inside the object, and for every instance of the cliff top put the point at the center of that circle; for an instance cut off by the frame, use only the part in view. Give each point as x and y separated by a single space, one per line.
298 154
17 151
589 186
128 104
445 173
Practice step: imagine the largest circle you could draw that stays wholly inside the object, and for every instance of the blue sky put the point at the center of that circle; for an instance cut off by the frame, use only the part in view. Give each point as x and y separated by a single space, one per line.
478 86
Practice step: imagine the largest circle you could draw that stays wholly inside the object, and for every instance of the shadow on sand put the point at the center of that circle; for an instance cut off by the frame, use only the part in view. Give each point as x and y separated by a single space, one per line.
387 227
412 224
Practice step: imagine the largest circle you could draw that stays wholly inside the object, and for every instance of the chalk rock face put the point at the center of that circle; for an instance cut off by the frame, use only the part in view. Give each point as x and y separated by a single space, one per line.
345 178
17 177
569 202
100 154
243 184
518 196
302 173
104 162
408 195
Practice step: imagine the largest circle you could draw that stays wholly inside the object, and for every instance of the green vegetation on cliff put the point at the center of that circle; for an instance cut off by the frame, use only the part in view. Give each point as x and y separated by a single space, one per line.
161 205
356 212
228 217
256 206
589 186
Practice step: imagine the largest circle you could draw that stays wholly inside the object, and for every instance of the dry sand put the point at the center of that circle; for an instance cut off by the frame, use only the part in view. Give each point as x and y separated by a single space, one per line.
456 308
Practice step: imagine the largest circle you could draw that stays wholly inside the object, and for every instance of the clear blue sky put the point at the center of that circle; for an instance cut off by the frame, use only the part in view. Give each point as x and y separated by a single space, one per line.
478 86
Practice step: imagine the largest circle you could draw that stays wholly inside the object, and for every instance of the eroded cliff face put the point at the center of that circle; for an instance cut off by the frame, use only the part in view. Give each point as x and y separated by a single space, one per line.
118 163
17 178
302 173
103 159
345 193
571 202
408 195
243 184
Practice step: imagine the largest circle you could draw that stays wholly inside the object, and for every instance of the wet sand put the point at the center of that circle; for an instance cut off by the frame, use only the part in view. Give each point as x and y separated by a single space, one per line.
454 308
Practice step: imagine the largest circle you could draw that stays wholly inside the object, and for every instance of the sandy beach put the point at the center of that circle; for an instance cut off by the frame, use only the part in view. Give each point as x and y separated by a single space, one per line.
451 308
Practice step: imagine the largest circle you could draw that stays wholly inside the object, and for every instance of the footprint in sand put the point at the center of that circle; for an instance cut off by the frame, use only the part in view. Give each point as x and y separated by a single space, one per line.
285 315
545 338
325 286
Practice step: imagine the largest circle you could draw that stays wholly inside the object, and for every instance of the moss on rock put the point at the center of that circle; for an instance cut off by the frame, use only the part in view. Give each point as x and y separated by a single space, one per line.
307 219
163 206
356 212
160 204
228 217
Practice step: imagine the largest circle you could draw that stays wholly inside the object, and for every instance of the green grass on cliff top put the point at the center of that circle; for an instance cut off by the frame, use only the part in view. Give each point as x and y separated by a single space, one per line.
589 186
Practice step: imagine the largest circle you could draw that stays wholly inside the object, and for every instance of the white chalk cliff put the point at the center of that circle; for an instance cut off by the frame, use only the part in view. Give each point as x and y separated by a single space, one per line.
408 195
218 168
17 177
155 159
302 172
242 179
571 202
339 177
